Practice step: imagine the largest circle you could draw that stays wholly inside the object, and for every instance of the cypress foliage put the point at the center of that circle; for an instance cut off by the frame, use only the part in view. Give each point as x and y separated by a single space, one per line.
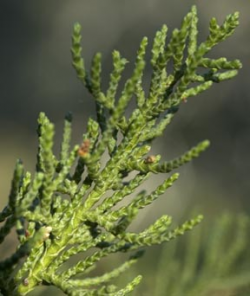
51 228
211 260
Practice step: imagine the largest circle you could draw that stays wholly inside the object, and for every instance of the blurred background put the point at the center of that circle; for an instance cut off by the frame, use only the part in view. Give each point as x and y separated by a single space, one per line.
36 75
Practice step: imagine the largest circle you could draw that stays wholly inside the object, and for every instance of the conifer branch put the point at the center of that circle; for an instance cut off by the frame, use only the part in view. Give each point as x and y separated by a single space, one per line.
72 203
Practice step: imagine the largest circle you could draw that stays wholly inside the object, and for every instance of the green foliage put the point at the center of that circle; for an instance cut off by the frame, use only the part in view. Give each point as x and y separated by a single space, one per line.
68 206
211 260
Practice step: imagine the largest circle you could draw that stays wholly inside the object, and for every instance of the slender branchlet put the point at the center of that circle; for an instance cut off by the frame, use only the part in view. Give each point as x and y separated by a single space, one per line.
222 247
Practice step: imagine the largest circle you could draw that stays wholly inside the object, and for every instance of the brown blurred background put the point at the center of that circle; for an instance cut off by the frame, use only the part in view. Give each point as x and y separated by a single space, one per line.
36 75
